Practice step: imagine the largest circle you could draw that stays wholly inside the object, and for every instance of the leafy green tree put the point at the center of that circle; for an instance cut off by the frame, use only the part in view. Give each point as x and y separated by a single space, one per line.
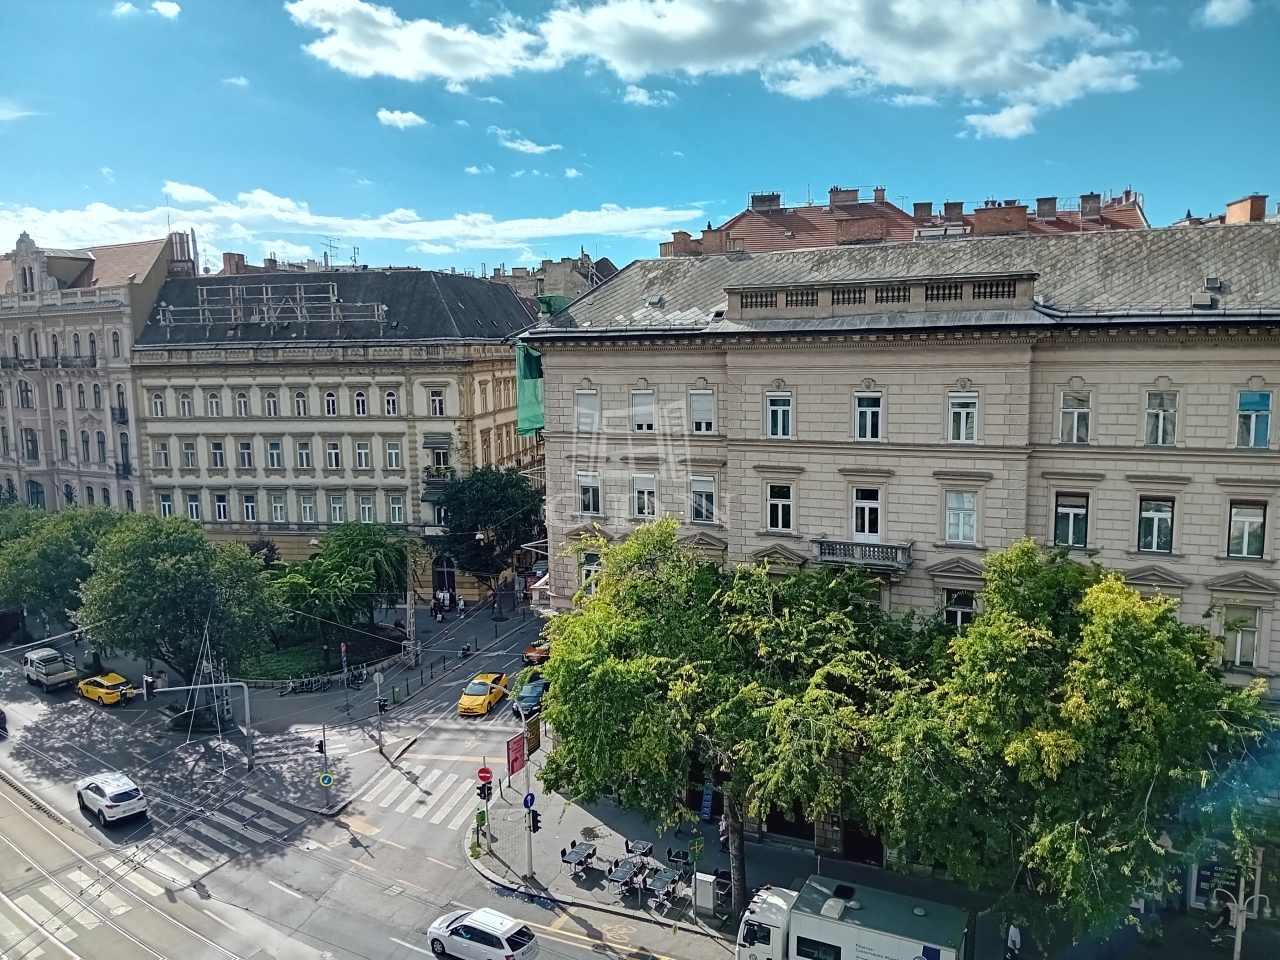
158 586
502 506
43 569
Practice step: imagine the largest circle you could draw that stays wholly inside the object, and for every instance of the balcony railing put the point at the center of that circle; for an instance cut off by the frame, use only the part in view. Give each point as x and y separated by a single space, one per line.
78 361
120 415
17 363
894 557
124 471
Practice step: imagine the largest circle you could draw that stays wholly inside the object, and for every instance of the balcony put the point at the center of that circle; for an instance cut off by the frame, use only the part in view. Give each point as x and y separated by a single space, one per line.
69 362
120 415
124 471
17 363
434 480
891 557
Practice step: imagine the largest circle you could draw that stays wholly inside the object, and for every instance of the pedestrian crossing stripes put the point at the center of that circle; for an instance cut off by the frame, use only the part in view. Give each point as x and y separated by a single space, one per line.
11 937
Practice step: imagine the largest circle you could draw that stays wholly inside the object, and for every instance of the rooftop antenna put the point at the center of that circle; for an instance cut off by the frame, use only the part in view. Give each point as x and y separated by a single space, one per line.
808 194
330 244
355 256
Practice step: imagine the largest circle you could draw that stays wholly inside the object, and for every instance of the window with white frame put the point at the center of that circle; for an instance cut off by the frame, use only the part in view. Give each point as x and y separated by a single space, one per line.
587 416
299 404
589 492
366 508
391 404
778 407
245 454
332 456
1071 520
166 505
337 510
221 512
440 459
214 403
249 503
442 516
958 607
217 454
272 404
157 404
304 454
364 459
962 516
395 508
1253 420
437 403
1247 534
866 515
1162 418
26 398
361 404
1155 525
963 416
330 404
275 455
645 495
188 452
702 411
642 411
778 506
868 410
1240 629
702 494
586 573
242 404
184 403
279 512
193 506
160 453
1075 416
393 455
307 507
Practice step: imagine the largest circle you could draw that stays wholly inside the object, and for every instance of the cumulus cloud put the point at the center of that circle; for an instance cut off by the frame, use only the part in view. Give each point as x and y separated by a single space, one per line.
1225 13
462 123
1031 54
237 81
512 140
478 170
166 9
571 173
399 118
123 9
185 193
284 250
647 98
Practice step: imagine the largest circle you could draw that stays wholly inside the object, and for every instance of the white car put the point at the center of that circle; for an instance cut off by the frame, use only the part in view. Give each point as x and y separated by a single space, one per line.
482 935
110 797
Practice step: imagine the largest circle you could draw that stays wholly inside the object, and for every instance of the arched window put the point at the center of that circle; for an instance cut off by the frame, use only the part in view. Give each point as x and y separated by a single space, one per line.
184 405
106 496
97 397
58 397
215 404
330 404
157 404
26 399
361 407
299 404
272 404
70 493
392 404
242 404
128 500
35 344
88 495
75 344
93 346
120 395
84 446
124 448
115 344
63 452
102 447
80 395
53 344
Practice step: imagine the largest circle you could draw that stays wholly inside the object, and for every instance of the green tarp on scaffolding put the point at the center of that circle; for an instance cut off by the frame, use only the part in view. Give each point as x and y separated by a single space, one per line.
531 409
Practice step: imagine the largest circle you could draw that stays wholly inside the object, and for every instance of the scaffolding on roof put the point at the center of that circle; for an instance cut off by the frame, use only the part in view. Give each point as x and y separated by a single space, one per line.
270 303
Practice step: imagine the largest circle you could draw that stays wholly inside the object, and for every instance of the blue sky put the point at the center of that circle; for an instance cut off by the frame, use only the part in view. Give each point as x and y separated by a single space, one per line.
449 134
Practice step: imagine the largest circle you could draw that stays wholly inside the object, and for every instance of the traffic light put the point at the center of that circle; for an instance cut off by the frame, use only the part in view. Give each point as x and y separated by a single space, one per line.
535 821
382 705
484 791
320 747
148 687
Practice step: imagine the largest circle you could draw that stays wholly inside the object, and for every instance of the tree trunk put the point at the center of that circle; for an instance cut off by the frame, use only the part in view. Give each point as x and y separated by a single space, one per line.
737 856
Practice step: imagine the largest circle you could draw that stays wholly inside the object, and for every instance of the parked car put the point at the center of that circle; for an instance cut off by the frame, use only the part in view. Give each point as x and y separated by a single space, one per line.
537 652
110 689
49 668
110 796
529 699
478 697
482 935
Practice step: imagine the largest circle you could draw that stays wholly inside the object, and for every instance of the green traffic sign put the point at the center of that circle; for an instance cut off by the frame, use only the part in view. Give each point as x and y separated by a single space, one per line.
326 780
695 849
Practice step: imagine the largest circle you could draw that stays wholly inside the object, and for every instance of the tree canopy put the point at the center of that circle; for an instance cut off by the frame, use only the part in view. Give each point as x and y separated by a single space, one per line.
42 569
503 506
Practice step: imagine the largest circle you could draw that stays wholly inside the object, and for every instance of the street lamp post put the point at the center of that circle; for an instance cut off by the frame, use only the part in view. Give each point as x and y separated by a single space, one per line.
1242 910
528 831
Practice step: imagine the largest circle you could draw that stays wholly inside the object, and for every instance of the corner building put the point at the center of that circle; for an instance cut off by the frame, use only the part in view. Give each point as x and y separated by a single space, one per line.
910 408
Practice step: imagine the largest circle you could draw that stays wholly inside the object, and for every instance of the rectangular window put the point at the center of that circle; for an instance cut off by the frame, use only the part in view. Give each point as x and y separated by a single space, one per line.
642 411
189 454
440 458
4 441
964 417
868 416
275 456
220 511
364 461
437 403
589 492
702 411
366 508
1162 418
645 489
1075 417
779 407
217 454
193 506
337 510
250 505
808 949
166 505
1071 524
1240 626
588 410
307 507
278 510
702 492
393 455
590 567
866 515
245 454
1155 526
1253 425
1247 536
962 516
395 509
332 456
779 506
304 455
958 606
161 453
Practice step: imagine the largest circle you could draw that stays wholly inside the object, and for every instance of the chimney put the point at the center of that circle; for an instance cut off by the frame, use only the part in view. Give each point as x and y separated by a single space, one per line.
270 265
1011 218
1046 208
232 264
879 194
1090 206
842 198
1250 209
953 210
713 240
923 212
764 202
683 244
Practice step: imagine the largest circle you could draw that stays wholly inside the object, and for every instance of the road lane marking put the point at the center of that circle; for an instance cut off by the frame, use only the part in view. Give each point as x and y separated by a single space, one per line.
191 863
465 812
409 781
361 865
133 877
410 946
217 919
560 922
382 785
90 885
441 756
45 919
435 797
203 826
244 830
579 936
452 802
441 863
274 808
12 936
423 787
391 843
72 910
279 886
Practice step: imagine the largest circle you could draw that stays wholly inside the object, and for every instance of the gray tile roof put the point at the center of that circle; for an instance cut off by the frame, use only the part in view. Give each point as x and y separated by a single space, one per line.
1141 272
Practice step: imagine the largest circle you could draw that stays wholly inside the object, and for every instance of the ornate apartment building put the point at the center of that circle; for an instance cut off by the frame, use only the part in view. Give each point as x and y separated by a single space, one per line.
67 324
911 407
281 404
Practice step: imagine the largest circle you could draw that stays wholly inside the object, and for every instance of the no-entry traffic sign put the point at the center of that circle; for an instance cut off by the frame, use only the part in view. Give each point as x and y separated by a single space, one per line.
485 775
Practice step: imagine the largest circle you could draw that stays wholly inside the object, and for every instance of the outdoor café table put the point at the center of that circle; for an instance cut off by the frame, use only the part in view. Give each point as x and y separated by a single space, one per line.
624 871
641 848
678 858
663 881
579 857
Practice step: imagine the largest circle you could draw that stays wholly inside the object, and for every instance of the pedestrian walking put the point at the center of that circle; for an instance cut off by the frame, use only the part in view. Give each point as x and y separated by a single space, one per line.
1013 944
724 833
462 607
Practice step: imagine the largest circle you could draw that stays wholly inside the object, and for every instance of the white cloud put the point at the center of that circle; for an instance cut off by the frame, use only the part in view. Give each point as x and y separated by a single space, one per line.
237 81
11 111
488 99
1034 55
166 8
123 10
284 250
512 140
1012 121
478 170
647 98
1225 13
399 118
109 174
185 193
914 100
462 123
570 173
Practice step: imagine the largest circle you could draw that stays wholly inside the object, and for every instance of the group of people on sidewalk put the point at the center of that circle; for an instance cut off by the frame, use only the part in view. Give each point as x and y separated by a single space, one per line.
444 601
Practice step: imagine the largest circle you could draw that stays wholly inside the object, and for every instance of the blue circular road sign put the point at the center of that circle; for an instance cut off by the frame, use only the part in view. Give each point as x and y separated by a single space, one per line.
326 780
528 801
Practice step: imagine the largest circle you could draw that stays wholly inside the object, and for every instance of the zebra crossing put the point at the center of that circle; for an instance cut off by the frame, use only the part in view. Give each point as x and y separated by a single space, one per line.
62 914
414 791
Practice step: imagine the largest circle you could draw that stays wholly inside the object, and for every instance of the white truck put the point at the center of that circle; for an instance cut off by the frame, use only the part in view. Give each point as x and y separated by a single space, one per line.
830 919
49 668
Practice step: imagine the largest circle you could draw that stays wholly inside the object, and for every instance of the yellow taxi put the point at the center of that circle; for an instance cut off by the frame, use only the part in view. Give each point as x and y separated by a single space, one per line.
108 689
478 697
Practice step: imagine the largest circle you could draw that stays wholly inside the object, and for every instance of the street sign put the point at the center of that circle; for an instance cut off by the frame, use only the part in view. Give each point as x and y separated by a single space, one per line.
326 780
532 737
528 801
485 775
377 678
695 849
515 754
344 649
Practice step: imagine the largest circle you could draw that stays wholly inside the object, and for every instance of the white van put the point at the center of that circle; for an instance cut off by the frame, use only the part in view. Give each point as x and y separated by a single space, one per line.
482 935
49 668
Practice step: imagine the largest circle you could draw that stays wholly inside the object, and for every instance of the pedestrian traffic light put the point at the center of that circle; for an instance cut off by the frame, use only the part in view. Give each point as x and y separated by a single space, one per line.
320 747
382 705
484 791
535 821
148 687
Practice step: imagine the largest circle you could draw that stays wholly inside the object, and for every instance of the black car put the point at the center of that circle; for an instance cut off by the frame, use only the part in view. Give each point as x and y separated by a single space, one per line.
529 699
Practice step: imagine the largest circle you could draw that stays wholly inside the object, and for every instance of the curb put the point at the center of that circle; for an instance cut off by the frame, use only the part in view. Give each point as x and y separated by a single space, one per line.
546 894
